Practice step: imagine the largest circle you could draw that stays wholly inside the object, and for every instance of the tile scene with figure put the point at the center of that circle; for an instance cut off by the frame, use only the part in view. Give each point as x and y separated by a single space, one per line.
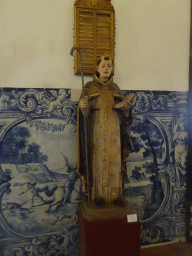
40 189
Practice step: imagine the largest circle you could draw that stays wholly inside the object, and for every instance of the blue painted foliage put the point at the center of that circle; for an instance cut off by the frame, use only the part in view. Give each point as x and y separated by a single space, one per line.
40 189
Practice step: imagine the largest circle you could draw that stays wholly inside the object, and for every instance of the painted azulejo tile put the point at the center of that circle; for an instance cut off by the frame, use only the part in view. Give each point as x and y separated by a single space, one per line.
39 187
156 182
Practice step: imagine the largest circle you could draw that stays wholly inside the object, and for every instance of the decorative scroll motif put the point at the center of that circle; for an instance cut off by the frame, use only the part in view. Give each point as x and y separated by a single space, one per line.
101 4
149 236
157 234
144 102
36 177
46 102
179 97
156 183
179 206
168 125
63 243
40 189
151 101
94 33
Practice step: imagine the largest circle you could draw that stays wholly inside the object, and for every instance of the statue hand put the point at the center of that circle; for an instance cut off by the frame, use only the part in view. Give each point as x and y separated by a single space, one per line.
84 103
123 105
85 106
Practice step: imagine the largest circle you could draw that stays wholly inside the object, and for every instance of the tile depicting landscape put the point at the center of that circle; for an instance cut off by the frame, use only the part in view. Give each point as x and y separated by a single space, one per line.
40 190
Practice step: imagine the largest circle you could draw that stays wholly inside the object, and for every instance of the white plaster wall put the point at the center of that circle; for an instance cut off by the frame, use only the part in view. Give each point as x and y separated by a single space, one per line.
152 44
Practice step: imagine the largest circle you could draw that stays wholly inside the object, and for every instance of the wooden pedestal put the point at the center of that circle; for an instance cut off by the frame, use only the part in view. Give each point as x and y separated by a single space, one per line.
108 237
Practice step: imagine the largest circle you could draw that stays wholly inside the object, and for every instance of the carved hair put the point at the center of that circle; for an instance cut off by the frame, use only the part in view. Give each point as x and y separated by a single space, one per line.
103 58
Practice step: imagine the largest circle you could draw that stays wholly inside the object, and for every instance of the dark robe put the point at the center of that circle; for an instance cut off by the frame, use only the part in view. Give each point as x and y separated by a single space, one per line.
108 140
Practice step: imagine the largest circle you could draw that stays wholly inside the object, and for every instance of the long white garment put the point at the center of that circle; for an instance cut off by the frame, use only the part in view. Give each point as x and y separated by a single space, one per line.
107 181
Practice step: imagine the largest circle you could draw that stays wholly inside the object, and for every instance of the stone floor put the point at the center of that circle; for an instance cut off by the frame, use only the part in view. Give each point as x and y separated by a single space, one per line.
175 249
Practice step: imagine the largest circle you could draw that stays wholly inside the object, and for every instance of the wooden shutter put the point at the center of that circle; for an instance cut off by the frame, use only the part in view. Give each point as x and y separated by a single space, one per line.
94 33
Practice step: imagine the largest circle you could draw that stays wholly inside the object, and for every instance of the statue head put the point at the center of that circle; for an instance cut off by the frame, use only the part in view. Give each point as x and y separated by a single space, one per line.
104 68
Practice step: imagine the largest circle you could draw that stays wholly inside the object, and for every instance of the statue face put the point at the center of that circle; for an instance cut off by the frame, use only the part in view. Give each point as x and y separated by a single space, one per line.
105 69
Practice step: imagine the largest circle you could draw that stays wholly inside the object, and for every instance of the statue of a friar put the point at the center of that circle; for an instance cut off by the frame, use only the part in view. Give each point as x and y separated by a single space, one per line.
108 116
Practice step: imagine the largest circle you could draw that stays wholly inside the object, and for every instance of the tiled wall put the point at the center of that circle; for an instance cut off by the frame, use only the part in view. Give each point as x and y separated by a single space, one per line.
40 189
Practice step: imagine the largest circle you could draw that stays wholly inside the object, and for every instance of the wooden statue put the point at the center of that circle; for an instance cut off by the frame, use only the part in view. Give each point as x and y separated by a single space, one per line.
108 116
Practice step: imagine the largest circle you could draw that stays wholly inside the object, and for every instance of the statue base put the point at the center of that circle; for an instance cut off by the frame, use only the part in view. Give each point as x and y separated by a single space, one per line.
109 236
93 213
